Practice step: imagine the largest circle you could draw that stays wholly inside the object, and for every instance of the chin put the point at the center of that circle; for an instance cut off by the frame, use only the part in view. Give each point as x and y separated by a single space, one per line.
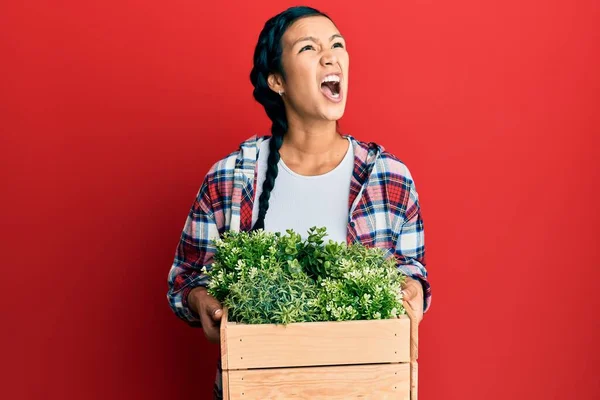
335 117
333 114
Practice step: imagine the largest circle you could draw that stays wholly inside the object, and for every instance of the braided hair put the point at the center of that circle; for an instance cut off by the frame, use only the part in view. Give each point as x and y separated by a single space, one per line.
267 60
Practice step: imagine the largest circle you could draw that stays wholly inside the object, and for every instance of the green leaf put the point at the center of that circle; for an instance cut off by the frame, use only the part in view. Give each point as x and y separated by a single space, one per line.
268 277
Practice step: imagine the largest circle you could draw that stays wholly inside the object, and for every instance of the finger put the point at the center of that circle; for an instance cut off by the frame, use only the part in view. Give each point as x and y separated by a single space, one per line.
206 321
210 327
413 310
212 333
214 309
217 315
410 292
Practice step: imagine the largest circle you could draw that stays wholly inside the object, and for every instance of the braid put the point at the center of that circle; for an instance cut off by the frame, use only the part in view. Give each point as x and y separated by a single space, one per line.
267 60
269 183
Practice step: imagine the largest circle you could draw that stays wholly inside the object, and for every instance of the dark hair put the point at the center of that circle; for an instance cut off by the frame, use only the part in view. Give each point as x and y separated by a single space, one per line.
267 60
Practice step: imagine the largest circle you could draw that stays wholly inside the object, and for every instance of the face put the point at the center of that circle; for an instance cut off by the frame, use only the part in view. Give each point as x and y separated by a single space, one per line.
315 62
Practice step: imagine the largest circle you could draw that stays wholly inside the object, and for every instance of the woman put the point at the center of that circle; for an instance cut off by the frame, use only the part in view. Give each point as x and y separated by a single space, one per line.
305 174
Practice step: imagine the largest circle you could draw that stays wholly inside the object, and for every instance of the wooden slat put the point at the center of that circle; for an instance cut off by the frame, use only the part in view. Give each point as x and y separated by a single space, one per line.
375 381
414 332
414 380
317 343
225 384
414 351
223 338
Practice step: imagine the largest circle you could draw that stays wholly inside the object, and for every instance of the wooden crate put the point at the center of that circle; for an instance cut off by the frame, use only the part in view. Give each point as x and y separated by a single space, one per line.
375 359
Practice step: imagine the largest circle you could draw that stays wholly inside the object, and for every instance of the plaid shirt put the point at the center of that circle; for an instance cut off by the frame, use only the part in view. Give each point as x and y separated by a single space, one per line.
383 211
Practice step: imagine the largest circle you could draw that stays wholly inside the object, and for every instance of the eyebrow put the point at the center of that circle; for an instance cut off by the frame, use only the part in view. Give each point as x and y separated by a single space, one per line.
313 39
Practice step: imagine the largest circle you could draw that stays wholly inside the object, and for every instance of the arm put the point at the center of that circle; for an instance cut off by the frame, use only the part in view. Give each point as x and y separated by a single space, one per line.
194 250
410 246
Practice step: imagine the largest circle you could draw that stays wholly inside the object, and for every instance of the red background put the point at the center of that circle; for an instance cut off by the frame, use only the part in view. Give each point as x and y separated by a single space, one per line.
111 113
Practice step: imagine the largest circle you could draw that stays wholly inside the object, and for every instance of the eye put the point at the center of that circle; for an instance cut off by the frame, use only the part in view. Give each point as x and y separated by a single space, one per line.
338 44
307 47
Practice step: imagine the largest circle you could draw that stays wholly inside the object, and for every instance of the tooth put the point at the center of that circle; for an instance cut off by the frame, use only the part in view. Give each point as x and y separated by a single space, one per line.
331 78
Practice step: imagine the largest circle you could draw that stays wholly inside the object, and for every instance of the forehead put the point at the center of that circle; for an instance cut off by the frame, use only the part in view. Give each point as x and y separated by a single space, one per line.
316 26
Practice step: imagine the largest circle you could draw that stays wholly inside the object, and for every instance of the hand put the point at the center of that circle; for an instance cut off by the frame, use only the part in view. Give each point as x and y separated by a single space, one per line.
412 291
209 310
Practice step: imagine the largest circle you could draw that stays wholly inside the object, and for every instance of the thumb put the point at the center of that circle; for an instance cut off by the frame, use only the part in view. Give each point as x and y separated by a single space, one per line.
214 310
409 292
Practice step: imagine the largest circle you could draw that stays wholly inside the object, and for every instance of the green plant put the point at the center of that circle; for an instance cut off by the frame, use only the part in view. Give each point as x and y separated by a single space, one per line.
265 277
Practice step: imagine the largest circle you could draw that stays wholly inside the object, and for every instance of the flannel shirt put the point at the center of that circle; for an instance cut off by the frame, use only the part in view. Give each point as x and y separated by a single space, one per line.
383 211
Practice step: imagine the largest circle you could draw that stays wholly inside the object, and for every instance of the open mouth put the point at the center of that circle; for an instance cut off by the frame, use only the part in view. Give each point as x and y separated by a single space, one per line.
330 86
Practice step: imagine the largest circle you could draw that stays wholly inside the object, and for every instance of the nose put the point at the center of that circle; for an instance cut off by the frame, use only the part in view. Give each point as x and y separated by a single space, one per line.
328 58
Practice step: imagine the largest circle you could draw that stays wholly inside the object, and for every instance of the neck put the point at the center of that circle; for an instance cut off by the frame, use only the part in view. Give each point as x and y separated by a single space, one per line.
311 140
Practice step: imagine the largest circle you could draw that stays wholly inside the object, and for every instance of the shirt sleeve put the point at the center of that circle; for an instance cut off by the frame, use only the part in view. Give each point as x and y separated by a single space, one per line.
410 245
194 250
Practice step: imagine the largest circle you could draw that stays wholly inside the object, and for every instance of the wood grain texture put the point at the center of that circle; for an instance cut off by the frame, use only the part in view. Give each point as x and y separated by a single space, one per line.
414 380
414 351
225 384
376 381
223 338
414 331
317 343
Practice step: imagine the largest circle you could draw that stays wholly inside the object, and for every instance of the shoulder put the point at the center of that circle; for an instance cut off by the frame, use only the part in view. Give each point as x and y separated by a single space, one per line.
393 165
237 164
374 155
244 158
218 182
363 150
399 183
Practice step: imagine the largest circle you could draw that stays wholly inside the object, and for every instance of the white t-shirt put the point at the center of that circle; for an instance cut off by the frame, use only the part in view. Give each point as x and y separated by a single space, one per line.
300 202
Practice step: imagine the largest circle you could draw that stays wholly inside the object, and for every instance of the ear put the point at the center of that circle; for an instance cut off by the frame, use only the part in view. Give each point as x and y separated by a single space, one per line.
276 83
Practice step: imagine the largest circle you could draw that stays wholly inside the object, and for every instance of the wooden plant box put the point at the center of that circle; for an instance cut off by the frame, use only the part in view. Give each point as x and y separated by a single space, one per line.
375 359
